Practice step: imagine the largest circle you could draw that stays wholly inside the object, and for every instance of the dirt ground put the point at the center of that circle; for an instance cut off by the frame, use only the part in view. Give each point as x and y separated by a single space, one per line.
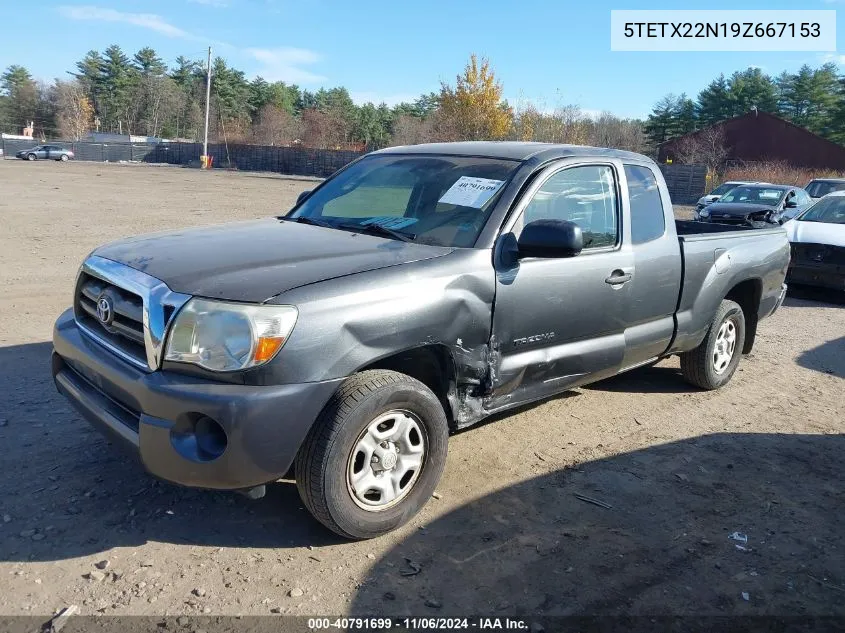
723 503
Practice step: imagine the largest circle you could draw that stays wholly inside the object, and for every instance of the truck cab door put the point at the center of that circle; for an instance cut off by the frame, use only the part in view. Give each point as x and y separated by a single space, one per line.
653 295
559 322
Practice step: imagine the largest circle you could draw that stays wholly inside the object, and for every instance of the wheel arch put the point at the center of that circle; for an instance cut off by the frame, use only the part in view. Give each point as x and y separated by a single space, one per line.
748 294
431 364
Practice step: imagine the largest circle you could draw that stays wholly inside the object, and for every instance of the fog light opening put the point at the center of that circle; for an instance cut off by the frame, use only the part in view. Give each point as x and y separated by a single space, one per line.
211 438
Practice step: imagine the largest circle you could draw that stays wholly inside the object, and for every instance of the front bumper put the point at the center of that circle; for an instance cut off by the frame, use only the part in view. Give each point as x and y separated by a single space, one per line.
821 274
154 414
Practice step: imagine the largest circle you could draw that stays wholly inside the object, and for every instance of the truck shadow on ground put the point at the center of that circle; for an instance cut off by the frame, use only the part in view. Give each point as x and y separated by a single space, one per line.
826 358
68 493
719 524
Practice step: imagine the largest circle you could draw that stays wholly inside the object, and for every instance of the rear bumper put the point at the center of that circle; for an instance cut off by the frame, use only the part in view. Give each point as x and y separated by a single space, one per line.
154 415
823 275
780 300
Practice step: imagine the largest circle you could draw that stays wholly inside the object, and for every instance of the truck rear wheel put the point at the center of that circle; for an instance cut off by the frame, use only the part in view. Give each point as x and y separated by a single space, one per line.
374 456
713 363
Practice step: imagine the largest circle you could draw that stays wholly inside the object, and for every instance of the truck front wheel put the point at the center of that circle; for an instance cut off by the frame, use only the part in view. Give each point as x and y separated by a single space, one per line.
713 363
374 455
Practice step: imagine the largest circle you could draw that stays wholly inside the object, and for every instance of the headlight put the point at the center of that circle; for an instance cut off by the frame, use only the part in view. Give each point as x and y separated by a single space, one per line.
704 213
228 336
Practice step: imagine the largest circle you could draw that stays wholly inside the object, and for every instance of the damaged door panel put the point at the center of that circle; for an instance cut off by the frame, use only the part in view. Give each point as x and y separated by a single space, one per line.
560 320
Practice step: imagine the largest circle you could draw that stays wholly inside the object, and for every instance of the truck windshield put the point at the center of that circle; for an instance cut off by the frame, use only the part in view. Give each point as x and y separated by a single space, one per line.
433 199
757 195
830 211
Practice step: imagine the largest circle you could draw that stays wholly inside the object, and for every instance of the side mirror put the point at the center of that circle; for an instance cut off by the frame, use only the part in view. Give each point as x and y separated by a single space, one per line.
301 197
550 238
791 204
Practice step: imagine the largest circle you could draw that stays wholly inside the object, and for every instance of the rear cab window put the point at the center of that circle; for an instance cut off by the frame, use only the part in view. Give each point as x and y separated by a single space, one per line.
648 219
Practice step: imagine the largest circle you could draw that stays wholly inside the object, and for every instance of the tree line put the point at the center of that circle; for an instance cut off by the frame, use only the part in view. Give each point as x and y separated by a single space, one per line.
110 91
812 98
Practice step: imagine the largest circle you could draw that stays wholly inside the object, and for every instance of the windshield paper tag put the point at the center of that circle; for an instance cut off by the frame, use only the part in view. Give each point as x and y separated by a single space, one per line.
469 191
390 221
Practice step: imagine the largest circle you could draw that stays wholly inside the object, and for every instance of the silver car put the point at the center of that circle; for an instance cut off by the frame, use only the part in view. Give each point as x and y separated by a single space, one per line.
48 152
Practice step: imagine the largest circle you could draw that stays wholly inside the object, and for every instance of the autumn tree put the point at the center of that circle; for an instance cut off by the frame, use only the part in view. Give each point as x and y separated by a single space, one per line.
325 129
411 130
474 105
75 112
275 126
707 147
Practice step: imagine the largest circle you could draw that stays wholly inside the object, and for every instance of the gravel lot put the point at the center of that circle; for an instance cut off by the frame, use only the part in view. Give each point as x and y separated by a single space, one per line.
683 470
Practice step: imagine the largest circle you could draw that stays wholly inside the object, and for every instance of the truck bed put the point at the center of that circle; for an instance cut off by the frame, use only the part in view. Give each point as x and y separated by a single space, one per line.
715 259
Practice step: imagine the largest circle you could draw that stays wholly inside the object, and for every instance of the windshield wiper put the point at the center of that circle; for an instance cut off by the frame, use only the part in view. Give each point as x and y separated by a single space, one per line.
378 229
304 219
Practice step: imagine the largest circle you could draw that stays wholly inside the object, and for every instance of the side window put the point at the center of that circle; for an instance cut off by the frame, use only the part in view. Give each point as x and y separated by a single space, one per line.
647 216
584 195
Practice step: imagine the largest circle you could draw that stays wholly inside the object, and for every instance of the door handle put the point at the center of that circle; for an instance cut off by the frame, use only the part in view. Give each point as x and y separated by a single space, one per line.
618 277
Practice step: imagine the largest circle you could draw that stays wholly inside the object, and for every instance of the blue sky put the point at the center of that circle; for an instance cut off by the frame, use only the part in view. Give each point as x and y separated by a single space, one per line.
551 53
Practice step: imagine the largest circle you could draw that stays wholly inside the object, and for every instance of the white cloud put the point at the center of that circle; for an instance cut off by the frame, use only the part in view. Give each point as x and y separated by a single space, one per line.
836 58
360 98
284 64
211 3
149 21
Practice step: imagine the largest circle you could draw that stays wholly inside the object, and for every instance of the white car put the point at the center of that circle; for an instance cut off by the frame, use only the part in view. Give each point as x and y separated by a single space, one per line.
817 237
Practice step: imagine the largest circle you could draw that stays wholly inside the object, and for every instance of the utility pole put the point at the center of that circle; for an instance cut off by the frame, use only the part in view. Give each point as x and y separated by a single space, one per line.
207 106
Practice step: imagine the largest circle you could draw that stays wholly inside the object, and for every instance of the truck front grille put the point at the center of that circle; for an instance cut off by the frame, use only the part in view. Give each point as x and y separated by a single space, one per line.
124 327
125 310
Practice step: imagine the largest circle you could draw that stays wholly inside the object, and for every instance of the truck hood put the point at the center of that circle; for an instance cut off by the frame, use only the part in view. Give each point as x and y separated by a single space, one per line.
737 210
254 261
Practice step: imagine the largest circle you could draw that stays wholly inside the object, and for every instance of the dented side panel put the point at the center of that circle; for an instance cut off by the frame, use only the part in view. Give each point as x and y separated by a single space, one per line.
353 321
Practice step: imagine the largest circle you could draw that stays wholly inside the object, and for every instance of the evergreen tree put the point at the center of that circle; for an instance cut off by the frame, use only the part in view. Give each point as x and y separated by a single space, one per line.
751 88
714 104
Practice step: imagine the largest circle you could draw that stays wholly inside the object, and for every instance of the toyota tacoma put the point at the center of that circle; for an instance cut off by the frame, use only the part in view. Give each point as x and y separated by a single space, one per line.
415 292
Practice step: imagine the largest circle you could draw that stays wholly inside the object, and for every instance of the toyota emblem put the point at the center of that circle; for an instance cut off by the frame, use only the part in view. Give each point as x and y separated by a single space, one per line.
105 310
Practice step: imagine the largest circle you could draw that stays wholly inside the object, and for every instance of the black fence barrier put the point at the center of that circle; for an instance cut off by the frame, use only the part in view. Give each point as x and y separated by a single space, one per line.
686 183
285 160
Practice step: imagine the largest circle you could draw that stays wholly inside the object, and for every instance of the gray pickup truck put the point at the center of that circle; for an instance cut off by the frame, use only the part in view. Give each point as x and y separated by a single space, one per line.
416 291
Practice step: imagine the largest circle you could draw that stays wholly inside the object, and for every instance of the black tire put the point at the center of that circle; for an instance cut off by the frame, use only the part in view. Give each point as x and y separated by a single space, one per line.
324 458
31 157
697 365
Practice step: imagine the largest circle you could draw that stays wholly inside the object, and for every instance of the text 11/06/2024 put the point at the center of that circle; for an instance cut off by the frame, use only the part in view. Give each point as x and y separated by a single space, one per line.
418 624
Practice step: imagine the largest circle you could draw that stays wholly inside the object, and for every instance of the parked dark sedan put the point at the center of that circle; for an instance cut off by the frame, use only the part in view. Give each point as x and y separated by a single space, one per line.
757 205
49 152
